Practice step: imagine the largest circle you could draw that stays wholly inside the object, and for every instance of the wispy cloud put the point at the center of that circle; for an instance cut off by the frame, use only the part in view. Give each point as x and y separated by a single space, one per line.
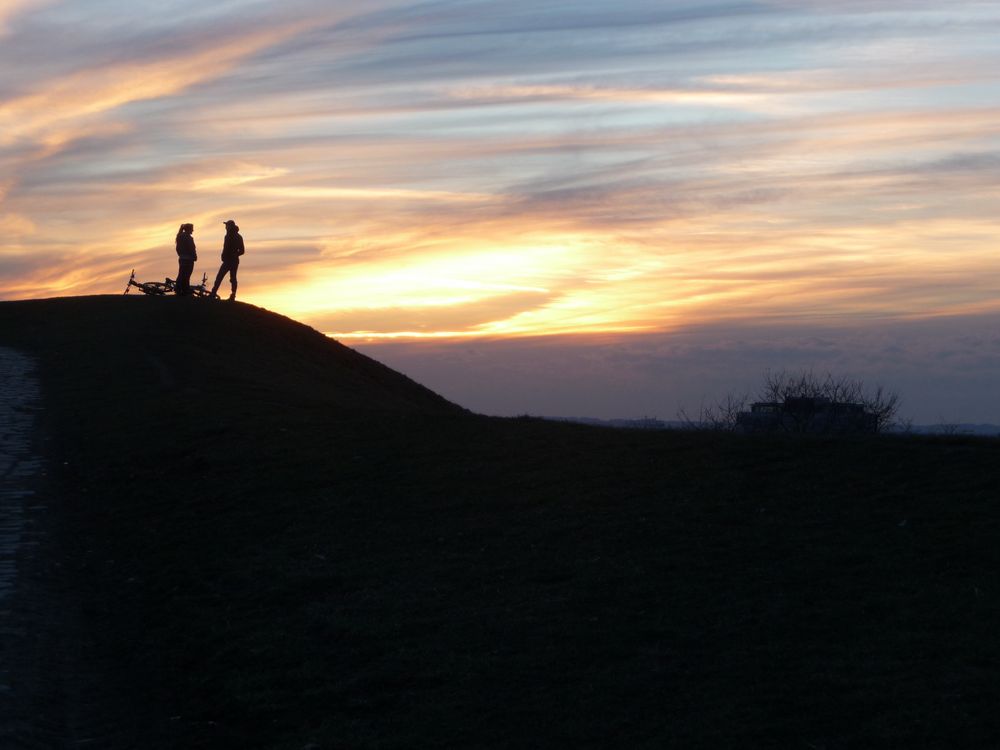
60 110
512 169
10 9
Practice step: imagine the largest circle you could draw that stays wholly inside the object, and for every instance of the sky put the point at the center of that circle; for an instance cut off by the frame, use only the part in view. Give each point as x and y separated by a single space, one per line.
570 208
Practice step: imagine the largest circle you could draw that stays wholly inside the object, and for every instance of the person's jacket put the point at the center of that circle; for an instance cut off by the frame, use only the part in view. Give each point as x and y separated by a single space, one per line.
185 247
232 247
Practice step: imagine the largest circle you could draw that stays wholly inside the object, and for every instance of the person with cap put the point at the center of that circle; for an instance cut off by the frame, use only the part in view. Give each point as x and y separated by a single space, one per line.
232 249
186 256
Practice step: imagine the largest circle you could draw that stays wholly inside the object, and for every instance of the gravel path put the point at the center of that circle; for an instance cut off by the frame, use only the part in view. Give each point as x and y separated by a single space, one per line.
20 468
50 691
25 714
55 692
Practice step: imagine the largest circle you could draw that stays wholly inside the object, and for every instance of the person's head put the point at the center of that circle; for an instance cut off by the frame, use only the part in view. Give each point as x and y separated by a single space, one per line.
186 229
231 226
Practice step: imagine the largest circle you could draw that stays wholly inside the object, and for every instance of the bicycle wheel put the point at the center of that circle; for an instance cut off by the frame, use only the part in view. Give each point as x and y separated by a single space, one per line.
154 288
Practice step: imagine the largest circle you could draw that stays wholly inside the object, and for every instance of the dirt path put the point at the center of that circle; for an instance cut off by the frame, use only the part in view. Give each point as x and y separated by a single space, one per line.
49 687
21 539
20 467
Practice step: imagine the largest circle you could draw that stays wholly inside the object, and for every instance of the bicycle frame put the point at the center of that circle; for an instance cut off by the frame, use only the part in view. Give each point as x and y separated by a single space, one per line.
167 286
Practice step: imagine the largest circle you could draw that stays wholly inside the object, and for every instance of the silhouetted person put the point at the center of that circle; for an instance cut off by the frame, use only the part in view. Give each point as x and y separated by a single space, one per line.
232 249
186 256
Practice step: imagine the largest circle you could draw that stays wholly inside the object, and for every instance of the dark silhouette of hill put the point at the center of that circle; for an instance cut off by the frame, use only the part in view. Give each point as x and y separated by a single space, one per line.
276 543
169 343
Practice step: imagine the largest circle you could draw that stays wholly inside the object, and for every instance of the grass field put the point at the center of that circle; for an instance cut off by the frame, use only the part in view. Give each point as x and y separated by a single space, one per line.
283 544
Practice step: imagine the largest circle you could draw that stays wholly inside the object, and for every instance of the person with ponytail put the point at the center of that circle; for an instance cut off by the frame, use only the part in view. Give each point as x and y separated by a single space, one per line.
186 256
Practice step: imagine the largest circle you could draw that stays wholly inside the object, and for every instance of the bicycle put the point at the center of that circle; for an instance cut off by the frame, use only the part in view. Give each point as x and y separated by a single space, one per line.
167 286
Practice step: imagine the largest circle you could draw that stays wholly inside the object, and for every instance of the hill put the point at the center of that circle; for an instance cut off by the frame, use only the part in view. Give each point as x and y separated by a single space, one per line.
136 346
275 542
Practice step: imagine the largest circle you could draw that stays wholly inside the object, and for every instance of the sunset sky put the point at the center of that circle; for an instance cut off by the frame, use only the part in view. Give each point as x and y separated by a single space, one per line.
565 208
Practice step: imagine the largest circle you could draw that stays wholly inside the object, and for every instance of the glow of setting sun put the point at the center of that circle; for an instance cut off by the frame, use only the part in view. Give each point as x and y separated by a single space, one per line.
616 179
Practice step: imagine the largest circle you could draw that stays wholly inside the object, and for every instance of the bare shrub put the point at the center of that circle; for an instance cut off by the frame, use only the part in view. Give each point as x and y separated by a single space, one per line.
779 386
722 416
880 402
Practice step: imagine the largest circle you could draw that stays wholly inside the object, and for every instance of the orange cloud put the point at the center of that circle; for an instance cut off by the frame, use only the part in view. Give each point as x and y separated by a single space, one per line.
382 202
16 225
59 110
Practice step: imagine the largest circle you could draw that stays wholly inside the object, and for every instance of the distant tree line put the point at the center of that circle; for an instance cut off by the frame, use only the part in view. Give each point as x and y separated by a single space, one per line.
878 403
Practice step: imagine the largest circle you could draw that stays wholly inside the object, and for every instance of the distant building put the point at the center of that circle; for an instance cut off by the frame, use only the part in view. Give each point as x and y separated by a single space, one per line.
812 414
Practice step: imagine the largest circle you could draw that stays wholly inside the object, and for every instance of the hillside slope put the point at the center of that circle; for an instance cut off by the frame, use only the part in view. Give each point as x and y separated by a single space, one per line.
282 546
136 344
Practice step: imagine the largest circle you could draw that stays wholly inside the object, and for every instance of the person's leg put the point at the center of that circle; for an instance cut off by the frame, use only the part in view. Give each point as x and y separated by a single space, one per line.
219 277
184 269
233 268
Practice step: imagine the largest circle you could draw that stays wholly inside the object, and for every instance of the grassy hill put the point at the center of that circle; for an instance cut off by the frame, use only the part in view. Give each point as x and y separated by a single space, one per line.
281 543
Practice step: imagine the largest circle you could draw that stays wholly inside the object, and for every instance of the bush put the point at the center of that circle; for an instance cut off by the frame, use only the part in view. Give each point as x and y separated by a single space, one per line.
778 387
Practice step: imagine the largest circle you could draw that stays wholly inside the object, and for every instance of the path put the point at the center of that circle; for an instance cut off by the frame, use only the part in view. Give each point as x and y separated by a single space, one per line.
50 694
21 538
54 690
20 468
